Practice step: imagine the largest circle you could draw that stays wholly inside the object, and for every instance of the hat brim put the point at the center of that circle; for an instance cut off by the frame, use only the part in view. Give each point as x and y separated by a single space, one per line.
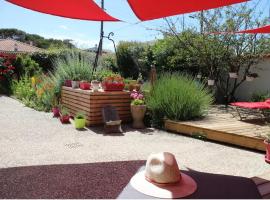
185 187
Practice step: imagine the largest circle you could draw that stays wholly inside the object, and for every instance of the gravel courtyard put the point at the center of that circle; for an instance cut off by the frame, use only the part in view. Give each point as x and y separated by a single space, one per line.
28 137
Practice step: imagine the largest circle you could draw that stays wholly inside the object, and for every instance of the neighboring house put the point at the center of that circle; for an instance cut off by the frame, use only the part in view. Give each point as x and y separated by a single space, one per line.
260 84
11 46
95 49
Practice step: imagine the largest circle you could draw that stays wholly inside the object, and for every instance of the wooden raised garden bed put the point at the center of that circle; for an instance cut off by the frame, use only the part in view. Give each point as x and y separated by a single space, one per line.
92 102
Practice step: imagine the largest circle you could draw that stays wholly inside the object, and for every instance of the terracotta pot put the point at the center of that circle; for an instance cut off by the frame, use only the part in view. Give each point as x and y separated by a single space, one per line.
75 84
138 113
267 156
131 85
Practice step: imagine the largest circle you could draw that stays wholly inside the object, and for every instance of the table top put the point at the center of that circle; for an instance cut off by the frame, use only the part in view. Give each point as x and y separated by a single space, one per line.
210 186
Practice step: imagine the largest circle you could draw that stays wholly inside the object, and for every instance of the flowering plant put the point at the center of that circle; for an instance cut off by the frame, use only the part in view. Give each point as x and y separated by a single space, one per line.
138 98
113 83
114 79
6 68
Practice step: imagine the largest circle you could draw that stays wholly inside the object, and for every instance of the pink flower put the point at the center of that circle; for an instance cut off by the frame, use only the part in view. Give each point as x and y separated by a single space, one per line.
136 95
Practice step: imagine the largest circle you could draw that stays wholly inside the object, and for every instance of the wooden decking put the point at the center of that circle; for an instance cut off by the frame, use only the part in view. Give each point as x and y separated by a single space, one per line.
221 125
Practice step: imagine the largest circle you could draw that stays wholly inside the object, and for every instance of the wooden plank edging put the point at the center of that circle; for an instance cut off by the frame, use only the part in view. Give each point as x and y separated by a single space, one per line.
215 135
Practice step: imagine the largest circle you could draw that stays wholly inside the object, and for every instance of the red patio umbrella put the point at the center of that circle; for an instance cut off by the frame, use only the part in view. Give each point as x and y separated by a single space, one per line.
261 30
144 9
75 9
153 9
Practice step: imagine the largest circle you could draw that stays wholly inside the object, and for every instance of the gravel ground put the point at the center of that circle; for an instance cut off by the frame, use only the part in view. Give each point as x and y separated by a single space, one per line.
28 137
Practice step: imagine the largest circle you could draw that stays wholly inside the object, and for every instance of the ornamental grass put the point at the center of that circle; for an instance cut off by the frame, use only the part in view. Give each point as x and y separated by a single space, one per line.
178 97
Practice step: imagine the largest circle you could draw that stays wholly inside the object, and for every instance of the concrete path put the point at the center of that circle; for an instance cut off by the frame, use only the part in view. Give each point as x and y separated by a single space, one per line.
28 137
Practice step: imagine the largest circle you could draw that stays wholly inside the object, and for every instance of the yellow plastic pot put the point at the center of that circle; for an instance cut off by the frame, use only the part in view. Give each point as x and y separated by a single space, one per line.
79 123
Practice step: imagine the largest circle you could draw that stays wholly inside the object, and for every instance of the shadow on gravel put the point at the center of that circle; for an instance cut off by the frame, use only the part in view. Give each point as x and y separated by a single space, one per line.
126 128
74 181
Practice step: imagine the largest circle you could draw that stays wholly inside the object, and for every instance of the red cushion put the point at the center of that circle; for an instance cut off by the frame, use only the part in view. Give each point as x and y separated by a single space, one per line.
267 101
252 105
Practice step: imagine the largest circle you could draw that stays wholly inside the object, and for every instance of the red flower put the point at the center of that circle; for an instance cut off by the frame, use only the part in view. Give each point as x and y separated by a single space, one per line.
11 67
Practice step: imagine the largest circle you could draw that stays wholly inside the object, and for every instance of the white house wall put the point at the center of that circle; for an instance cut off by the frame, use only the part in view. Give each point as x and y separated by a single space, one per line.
260 84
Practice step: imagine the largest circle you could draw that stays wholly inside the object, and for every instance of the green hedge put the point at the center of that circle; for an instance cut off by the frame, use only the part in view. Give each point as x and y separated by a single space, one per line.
47 59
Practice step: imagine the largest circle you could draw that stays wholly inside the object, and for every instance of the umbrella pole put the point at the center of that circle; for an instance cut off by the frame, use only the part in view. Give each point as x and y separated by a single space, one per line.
100 45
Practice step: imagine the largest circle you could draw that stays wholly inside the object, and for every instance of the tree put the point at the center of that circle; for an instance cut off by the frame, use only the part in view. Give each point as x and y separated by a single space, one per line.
217 54
133 58
37 40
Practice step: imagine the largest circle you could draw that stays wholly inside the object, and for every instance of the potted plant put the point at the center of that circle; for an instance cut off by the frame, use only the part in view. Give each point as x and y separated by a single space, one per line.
84 85
251 76
55 108
139 83
233 72
80 120
64 115
130 84
68 83
267 143
138 109
75 82
113 83
95 85
199 76
211 80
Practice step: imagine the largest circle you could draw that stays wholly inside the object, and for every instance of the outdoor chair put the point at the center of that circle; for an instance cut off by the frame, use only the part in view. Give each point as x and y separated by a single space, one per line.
112 122
247 109
263 184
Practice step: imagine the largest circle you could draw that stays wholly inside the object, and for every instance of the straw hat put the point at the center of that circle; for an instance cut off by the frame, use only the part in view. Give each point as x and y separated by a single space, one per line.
162 178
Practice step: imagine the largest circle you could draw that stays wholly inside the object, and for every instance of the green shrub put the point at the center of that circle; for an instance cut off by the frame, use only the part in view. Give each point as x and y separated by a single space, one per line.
26 66
32 97
49 96
134 58
72 66
46 92
108 61
260 96
23 89
47 59
100 74
177 97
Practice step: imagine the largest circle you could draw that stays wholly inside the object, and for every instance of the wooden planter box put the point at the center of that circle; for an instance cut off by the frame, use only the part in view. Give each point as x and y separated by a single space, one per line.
92 102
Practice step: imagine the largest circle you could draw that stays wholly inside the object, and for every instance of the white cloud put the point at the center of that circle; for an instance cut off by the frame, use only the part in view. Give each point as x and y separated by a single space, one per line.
81 42
63 27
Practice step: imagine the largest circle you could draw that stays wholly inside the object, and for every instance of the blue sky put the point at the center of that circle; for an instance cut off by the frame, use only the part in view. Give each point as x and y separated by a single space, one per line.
86 33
